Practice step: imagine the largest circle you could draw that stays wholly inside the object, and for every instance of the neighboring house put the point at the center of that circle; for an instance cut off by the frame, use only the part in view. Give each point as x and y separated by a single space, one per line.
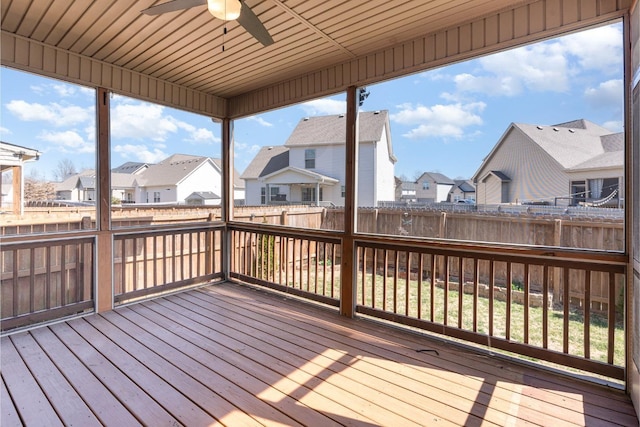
80 187
203 198
433 187
406 191
172 180
310 166
463 189
12 158
571 163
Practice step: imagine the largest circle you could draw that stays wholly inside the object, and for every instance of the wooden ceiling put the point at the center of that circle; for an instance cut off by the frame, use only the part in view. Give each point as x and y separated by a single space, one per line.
185 48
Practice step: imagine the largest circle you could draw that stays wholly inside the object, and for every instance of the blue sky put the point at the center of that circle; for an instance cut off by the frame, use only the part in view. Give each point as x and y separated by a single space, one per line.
445 120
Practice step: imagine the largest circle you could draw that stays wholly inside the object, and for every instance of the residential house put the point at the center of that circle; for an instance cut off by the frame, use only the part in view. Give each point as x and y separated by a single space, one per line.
462 190
12 158
203 198
80 187
571 163
172 180
433 187
405 191
310 166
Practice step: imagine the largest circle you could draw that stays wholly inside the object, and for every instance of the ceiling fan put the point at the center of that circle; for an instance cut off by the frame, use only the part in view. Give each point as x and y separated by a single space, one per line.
227 10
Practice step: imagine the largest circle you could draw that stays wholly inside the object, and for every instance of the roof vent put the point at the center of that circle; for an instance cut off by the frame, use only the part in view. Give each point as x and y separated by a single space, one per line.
539 127
556 129
340 116
571 130
306 119
376 112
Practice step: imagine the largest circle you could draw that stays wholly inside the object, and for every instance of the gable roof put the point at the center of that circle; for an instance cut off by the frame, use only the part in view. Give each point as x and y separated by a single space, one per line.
172 170
71 182
569 146
574 144
268 160
437 177
130 167
323 130
465 185
203 195
309 176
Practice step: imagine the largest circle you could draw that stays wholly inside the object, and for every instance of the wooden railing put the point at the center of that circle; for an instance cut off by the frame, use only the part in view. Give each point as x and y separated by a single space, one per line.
45 279
153 261
459 293
301 263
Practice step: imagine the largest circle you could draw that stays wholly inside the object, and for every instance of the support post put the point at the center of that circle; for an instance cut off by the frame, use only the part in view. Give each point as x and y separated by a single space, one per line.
227 192
347 270
104 247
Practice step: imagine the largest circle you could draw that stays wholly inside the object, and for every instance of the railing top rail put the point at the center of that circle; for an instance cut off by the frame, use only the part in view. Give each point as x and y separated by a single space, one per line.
298 233
606 261
123 233
52 239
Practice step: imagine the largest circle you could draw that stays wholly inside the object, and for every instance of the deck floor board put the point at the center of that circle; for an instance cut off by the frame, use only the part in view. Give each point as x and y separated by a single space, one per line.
233 355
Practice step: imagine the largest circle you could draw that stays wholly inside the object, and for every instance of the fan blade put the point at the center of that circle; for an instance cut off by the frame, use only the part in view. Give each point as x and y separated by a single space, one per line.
172 6
252 24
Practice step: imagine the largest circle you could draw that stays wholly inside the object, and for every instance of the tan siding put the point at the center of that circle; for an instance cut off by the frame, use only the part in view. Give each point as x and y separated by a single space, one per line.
522 24
35 57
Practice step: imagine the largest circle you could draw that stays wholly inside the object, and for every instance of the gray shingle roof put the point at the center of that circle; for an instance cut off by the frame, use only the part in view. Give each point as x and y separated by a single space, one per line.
332 130
437 177
129 167
570 146
611 159
464 185
171 170
205 195
267 161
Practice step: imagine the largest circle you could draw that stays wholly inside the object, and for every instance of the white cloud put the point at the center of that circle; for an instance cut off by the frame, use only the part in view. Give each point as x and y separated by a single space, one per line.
4 131
141 121
608 94
319 107
53 113
140 153
548 66
447 121
260 121
68 141
597 49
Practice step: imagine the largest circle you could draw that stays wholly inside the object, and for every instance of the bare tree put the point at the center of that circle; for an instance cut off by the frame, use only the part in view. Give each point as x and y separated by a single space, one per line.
64 169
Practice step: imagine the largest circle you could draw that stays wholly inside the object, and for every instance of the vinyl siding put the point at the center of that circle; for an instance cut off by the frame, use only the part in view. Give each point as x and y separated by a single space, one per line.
534 174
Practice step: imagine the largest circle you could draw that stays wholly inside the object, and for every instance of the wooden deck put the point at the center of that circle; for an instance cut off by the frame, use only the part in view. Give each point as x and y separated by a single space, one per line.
231 355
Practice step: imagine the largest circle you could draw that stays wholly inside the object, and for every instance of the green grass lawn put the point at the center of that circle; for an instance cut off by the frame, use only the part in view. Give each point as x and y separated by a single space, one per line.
555 319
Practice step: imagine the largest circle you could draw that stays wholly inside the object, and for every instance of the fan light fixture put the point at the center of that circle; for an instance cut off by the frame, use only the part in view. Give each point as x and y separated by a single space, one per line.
227 10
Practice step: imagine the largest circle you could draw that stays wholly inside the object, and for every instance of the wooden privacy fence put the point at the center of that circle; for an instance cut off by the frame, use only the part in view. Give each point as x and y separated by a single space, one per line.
526 229
45 279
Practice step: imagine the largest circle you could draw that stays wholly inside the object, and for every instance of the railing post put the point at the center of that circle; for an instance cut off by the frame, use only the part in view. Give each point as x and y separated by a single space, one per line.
348 267
227 194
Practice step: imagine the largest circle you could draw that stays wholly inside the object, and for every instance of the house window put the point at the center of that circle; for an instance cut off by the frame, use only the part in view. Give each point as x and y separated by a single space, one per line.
310 158
156 197
343 191
274 193
309 194
263 196
425 185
